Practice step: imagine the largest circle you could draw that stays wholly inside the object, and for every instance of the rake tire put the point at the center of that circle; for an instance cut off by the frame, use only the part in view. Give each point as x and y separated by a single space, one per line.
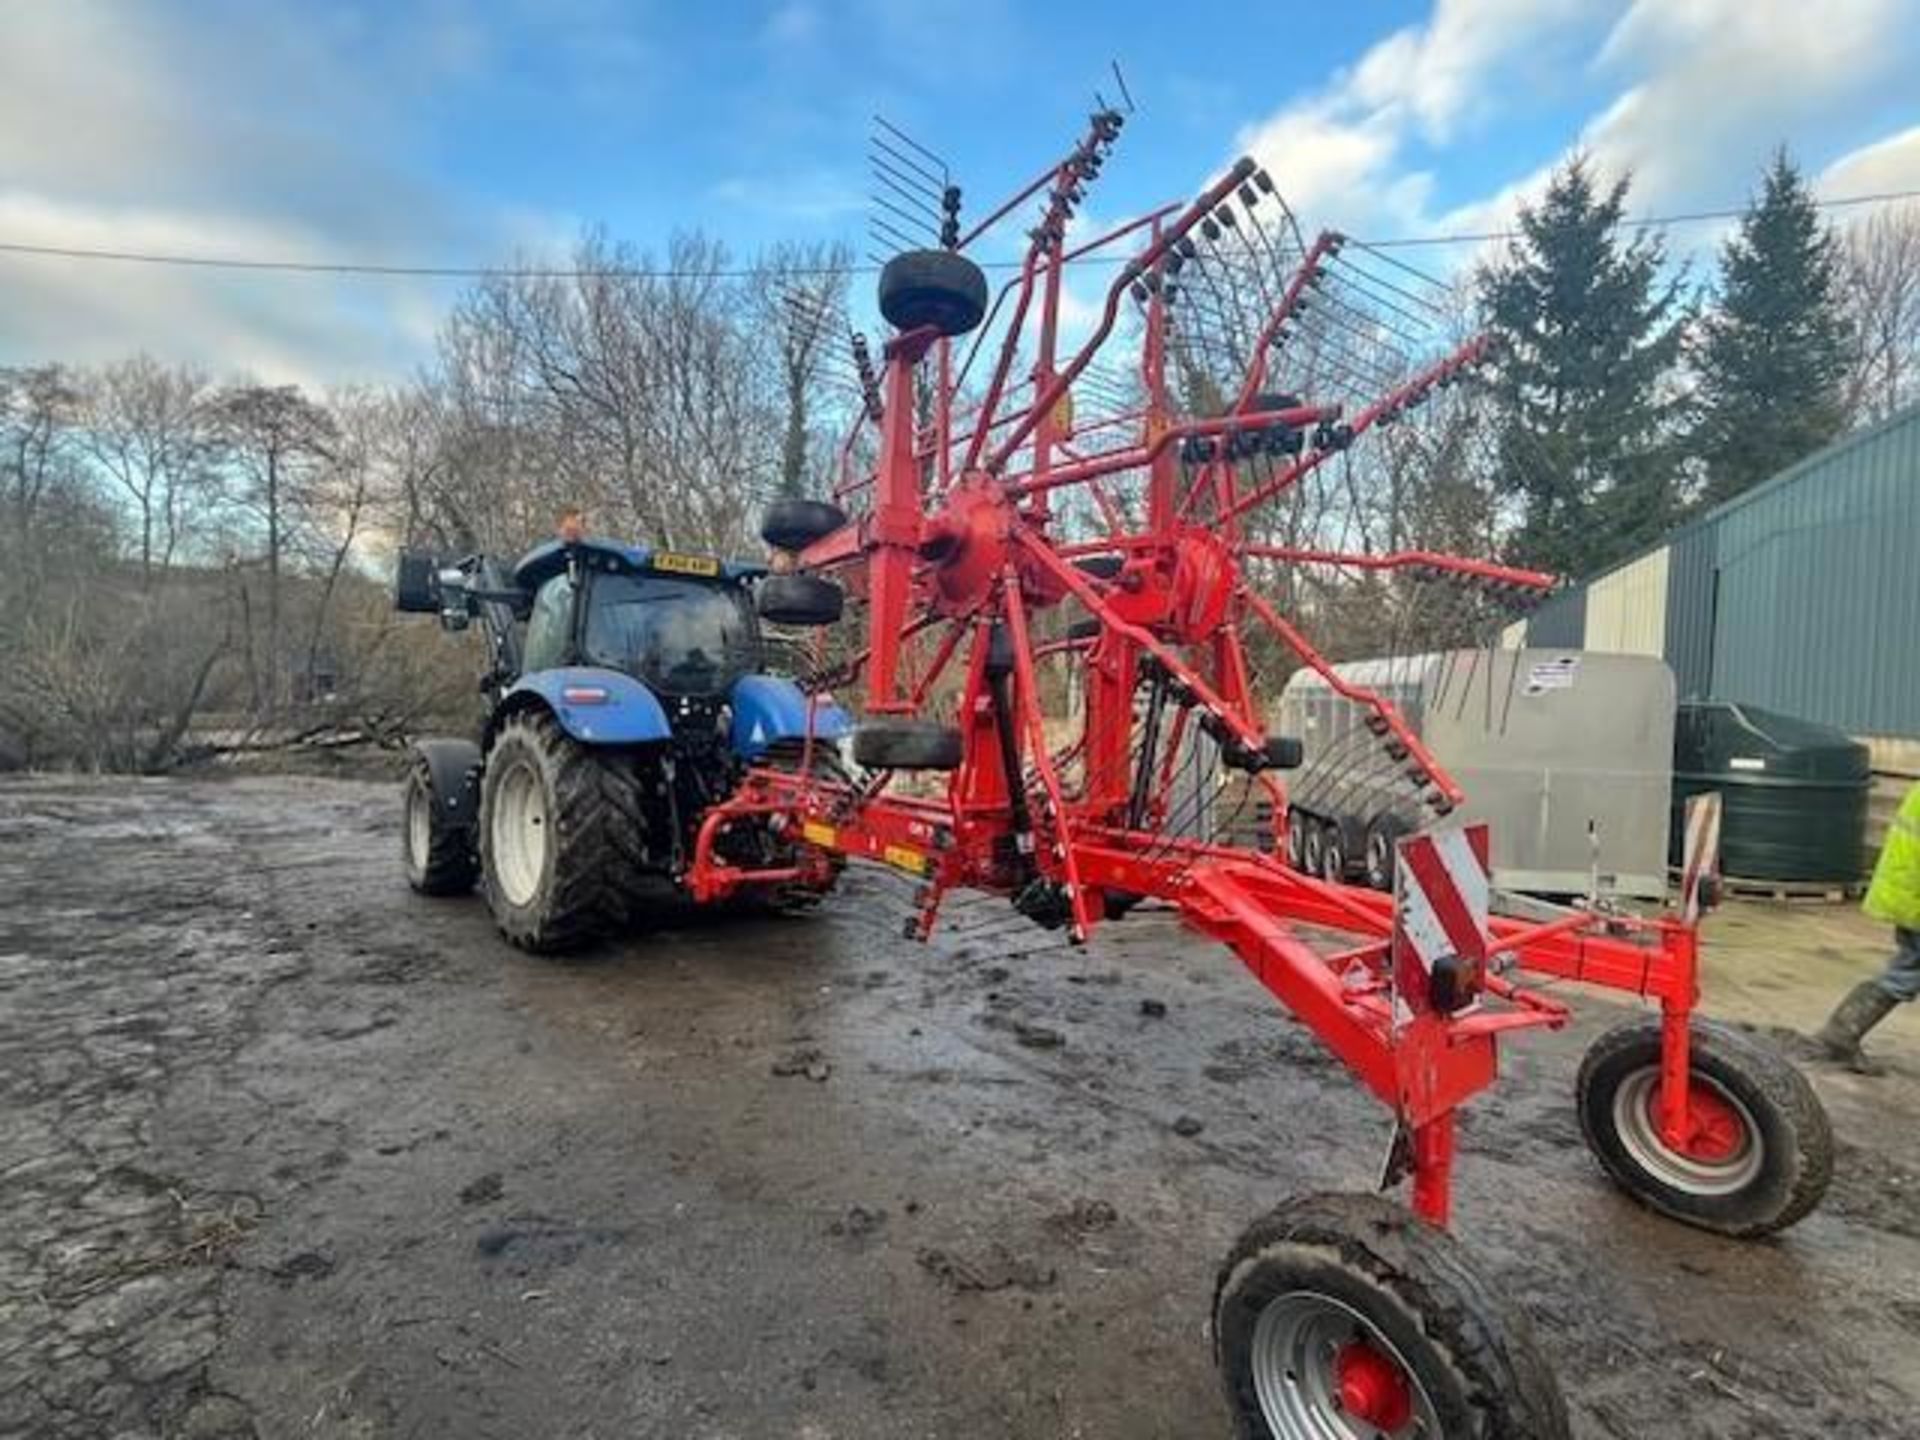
1471 1352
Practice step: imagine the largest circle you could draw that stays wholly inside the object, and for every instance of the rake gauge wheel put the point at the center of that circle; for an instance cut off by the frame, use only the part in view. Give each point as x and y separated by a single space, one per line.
1760 1153
799 600
1343 1317
900 744
933 288
791 524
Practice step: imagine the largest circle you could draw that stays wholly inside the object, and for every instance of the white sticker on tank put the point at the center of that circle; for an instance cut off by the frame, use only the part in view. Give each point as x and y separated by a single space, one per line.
1746 762
1555 674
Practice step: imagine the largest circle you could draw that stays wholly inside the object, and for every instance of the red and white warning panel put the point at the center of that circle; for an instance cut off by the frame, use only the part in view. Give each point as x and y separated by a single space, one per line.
1700 856
1442 883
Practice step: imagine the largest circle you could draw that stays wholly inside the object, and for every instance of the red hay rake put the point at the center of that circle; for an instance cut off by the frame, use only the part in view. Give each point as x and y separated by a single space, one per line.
1140 540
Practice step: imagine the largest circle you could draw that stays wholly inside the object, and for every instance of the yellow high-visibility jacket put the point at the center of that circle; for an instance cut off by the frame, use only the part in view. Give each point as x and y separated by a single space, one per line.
1894 895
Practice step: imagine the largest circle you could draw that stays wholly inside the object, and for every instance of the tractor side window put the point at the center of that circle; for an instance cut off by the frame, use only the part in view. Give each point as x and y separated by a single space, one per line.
548 626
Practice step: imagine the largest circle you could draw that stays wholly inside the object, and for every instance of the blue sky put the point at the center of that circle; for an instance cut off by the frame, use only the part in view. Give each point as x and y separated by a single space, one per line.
469 133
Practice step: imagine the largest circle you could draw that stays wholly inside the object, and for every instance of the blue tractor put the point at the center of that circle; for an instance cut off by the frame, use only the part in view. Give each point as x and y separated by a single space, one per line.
627 693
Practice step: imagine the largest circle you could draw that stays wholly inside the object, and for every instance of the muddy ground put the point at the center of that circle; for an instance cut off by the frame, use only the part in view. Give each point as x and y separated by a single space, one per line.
287 1151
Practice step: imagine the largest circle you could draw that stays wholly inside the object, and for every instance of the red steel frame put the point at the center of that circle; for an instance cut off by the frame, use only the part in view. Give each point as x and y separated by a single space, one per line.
966 548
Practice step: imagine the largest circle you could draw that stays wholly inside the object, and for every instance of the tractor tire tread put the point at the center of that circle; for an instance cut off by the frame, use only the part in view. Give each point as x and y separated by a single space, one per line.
453 858
598 824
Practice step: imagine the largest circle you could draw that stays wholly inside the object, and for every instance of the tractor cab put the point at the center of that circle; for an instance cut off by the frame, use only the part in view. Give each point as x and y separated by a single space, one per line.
683 625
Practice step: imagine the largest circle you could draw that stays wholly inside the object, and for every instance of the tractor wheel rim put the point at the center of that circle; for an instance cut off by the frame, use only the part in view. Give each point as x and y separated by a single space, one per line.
1323 1371
520 834
419 826
1722 1156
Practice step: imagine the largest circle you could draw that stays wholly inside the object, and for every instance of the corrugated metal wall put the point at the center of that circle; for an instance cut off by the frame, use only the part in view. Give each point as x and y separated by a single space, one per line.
1627 608
1818 613
1561 621
1691 580
1803 595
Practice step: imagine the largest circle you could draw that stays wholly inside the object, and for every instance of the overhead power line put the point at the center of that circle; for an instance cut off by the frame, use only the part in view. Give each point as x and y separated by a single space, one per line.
544 272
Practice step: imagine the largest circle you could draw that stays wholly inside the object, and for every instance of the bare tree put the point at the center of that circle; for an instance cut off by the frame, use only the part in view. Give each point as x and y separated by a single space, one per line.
1882 256
276 438
801 313
146 426
38 406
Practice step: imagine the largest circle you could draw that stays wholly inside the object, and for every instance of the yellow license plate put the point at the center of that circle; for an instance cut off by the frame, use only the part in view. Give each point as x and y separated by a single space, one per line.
686 564
900 857
814 833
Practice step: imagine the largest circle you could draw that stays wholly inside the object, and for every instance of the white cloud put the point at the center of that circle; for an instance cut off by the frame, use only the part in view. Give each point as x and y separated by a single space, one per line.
1886 165
1341 154
241 131
1702 93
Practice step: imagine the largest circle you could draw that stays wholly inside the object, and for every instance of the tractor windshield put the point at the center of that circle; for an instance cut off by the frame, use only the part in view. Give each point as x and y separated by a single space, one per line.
681 637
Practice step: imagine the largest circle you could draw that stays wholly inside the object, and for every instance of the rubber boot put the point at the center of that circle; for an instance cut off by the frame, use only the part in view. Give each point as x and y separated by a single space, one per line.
1865 1006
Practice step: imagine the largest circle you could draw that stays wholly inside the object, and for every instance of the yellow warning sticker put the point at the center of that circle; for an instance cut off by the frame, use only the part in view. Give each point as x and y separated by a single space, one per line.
911 861
814 833
686 564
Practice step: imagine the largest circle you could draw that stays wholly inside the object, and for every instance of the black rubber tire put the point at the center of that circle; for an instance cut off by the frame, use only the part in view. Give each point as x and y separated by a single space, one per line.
937 288
800 600
1284 752
791 524
1796 1141
1472 1352
595 859
1334 854
1378 863
1100 567
451 862
1297 824
1313 847
1269 400
906 745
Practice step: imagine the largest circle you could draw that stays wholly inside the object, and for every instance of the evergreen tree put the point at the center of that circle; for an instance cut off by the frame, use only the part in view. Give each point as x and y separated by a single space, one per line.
1773 362
1589 335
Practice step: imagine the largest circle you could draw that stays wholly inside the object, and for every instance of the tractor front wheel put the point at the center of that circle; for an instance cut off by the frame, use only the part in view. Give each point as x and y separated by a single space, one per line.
436 844
1344 1317
1758 1153
561 835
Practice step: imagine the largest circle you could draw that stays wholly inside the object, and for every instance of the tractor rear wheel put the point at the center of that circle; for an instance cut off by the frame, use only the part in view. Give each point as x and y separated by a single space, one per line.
1344 1317
436 847
1761 1152
906 745
562 835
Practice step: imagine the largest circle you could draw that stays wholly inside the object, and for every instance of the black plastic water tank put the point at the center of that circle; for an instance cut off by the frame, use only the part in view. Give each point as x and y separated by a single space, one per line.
1794 793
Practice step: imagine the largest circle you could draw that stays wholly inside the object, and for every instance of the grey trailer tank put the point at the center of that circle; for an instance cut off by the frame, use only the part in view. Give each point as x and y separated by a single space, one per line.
1567 753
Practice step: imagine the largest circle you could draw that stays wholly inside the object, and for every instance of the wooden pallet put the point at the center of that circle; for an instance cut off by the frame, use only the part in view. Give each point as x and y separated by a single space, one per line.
1792 892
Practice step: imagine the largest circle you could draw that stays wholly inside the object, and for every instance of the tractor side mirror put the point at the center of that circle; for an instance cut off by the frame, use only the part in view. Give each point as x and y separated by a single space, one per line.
416 583
455 604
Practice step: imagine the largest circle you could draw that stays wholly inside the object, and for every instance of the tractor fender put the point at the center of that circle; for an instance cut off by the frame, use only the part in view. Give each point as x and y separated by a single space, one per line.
767 708
454 766
593 705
